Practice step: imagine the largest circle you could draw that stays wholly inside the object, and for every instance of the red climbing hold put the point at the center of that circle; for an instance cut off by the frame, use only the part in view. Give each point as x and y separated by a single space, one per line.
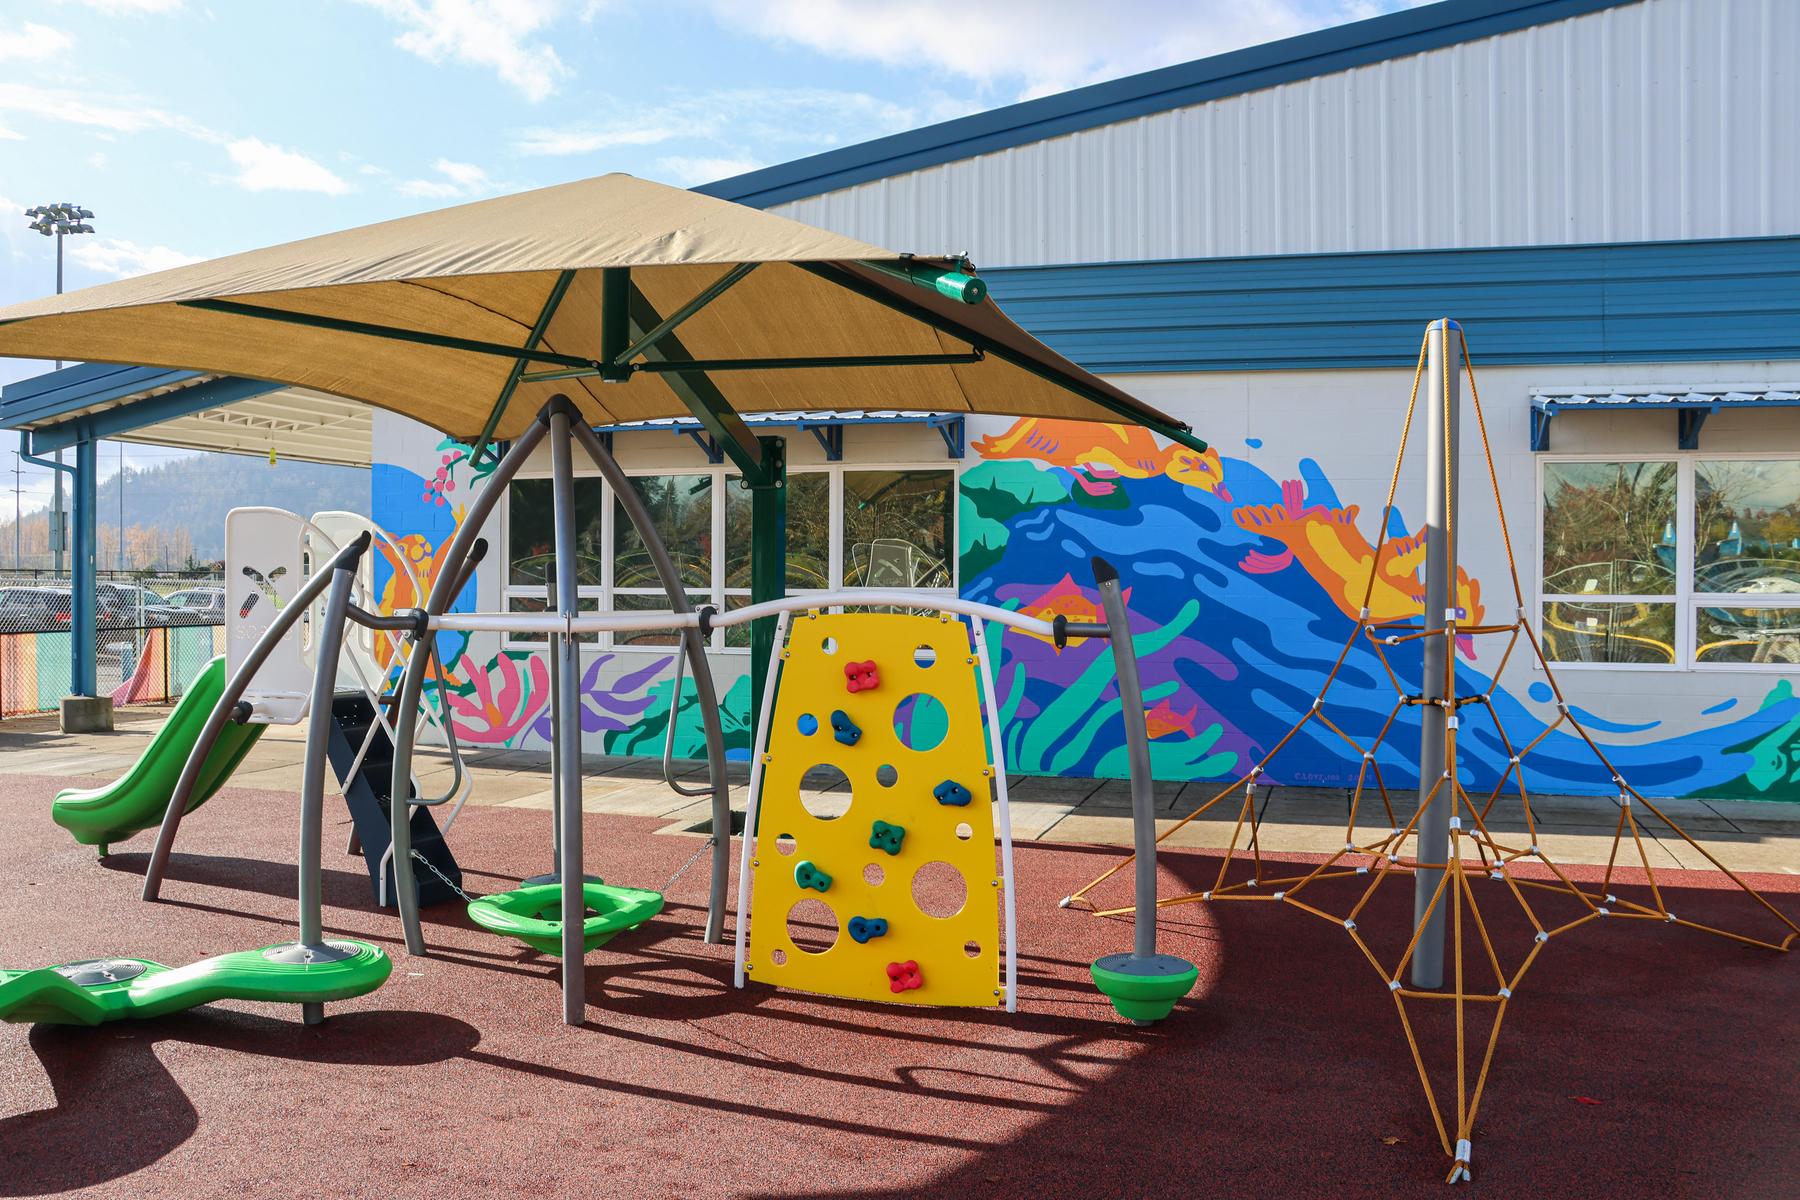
903 977
861 676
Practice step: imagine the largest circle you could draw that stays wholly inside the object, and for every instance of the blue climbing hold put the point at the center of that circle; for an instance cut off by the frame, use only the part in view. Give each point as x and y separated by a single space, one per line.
844 729
808 876
952 793
807 724
864 928
883 836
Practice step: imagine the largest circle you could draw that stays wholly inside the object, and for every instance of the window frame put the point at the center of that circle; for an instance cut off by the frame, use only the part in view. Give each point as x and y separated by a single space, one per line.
1686 601
723 476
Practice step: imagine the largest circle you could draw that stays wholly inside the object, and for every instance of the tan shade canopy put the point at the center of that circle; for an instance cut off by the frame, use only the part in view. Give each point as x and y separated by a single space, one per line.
486 272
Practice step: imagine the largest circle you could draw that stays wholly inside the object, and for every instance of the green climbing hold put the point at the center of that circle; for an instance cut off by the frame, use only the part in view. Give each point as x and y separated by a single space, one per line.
89 993
1144 990
883 836
808 876
534 914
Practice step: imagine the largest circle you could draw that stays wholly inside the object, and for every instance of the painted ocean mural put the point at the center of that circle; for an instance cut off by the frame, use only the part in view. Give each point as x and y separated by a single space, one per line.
1242 586
1243 590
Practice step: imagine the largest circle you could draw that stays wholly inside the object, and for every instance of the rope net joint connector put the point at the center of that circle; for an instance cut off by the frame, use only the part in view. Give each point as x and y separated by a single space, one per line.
1350 925
1362 870
1542 937
1611 899
1604 911
1393 985
1206 895
1506 993
1668 916
1451 721
1456 823
1281 895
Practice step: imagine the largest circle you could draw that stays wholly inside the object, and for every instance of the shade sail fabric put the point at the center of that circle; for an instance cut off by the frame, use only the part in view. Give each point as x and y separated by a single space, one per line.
484 272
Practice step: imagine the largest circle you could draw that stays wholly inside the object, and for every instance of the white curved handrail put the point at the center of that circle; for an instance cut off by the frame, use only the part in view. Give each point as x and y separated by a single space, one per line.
622 622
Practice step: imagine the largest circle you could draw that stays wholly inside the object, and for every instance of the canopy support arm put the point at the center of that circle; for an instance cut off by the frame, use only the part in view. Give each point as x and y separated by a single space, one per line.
701 299
390 332
699 393
834 272
558 290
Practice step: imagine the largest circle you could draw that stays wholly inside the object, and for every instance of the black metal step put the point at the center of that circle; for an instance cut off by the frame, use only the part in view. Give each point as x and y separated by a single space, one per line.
367 796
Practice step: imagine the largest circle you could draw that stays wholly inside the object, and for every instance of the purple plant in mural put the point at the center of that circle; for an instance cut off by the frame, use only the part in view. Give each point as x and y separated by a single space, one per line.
612 706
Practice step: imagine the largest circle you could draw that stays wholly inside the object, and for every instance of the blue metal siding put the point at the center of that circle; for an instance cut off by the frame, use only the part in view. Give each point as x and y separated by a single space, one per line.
1324 52
1637 302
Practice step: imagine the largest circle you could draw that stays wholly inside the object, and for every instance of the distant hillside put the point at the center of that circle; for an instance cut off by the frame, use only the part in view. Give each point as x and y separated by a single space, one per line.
181 503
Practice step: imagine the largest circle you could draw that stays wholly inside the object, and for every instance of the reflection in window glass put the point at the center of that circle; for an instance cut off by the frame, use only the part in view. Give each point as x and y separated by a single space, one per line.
898 528
531 531
1747 527
808 532
1747 635
681 507
1576 631
1609 528
650 603
537 604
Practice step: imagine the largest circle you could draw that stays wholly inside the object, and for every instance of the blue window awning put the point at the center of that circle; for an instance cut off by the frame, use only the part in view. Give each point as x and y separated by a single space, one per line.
1691 406
826 427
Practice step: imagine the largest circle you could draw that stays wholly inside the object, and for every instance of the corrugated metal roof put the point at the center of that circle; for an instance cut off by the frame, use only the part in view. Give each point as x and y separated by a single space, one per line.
1360 43
1648 397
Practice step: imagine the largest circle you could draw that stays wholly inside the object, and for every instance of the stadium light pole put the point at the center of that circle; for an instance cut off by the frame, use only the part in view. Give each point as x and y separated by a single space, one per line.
59 221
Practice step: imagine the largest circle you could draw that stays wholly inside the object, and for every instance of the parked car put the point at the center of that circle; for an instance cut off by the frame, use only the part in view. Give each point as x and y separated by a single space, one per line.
124 605
33 609
200 605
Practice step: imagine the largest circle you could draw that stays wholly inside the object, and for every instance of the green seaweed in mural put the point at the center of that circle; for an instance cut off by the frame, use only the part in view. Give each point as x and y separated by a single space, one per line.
993 492
1774 773
645 737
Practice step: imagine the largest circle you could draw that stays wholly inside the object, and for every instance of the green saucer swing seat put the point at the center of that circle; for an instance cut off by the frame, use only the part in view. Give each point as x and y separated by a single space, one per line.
534 914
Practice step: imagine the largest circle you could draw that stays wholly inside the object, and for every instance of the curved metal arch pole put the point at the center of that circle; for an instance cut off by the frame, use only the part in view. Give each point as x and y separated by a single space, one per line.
451 579
706 695
228 700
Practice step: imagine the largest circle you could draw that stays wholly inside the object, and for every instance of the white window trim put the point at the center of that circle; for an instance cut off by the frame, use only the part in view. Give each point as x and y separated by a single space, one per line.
1684 598
606 594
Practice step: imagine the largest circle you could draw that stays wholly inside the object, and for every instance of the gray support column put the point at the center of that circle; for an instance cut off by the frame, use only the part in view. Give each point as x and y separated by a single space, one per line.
328 641
565 726
706 695
1143 985
85 609
1443 397
449 581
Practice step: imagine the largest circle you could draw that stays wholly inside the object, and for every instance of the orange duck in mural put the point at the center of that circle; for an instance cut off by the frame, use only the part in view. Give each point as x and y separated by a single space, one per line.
1100 455
1334 552
423 560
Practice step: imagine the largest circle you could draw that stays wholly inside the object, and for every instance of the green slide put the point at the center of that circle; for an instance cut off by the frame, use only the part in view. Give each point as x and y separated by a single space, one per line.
137 799
112 989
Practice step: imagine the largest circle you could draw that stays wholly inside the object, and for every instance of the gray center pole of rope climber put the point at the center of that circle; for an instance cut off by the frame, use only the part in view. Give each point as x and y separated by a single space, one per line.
1443 398
1137 753
566 727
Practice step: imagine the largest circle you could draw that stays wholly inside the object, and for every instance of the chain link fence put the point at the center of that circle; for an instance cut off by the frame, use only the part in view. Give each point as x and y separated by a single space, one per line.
153 635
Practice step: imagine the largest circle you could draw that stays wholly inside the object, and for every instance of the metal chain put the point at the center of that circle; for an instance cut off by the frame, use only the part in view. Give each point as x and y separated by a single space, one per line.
692 859
432 867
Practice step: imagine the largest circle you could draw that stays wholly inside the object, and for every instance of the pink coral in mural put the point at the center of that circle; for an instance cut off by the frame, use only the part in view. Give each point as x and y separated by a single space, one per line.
498 704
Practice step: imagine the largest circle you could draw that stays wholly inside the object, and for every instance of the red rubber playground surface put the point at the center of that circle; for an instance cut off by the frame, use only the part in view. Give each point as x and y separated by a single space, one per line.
1638 1060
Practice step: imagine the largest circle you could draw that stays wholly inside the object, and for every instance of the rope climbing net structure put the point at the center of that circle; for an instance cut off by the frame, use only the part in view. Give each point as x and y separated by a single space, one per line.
1484 969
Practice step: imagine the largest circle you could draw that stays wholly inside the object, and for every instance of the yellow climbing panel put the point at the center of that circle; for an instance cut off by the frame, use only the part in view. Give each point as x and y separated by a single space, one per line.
937 791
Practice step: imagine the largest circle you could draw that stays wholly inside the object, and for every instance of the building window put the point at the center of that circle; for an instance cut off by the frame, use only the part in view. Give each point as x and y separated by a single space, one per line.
897 528
1684 561
845 528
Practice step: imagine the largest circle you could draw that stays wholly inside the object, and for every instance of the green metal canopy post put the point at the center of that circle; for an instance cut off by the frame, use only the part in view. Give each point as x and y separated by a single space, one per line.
768 561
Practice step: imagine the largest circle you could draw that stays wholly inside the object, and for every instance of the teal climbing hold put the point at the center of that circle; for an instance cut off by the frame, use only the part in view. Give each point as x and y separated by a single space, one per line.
808 876
952 793
883 836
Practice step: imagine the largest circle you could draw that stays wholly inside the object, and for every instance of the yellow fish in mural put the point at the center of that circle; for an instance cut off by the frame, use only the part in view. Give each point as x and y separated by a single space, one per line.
1064 598
1334 552
1099 455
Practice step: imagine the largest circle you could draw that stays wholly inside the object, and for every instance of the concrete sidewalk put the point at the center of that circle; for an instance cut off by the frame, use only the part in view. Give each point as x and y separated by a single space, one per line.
1741 834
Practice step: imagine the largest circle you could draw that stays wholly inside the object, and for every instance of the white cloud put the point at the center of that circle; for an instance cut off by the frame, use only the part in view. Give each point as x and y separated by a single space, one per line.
31 42
119 258
1051 46
497 34
117 115
263 167
687 171
457 180
9 135
731 119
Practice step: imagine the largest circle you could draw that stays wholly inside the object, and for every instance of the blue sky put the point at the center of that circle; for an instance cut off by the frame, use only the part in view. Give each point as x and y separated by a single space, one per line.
198 129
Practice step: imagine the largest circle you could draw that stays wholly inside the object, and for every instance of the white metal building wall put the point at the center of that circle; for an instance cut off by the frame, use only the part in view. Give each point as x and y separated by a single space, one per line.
1666 120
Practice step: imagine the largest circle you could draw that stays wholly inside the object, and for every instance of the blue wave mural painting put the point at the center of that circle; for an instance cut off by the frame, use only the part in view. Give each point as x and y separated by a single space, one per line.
1243 591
